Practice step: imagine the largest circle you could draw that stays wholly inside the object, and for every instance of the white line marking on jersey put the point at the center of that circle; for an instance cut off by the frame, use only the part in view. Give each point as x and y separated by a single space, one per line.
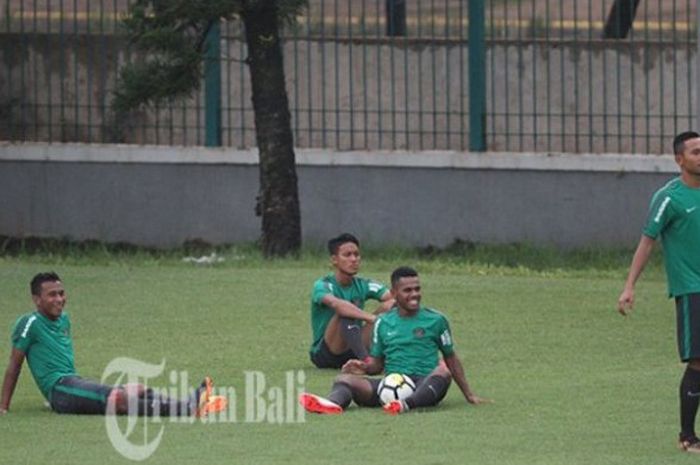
657 218
26 326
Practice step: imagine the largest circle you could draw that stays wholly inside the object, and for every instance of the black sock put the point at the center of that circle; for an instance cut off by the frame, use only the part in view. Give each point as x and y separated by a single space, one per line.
351 332
341 394
689 395
153 405
429 392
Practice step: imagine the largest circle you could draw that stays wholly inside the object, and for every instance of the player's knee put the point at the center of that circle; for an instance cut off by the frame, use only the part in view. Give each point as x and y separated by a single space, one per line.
345 378
443 371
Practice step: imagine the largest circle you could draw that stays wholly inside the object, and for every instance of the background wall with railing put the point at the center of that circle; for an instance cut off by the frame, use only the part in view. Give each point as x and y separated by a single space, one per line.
554 83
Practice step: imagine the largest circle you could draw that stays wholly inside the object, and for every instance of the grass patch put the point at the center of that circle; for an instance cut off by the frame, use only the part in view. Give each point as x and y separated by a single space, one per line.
573 382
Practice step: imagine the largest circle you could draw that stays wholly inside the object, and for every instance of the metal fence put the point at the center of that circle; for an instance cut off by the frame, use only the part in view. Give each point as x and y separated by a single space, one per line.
380 74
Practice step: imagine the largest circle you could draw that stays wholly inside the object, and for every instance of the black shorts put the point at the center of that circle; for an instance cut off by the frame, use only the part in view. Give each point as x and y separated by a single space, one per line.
324 358
73 394
375 402
688 326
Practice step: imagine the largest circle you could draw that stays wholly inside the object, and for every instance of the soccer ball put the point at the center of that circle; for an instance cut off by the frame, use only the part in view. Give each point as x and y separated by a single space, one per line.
395 386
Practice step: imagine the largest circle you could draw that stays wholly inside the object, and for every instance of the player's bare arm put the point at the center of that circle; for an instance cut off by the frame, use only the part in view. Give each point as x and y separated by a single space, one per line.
346 309
387 302
372 366
641 256
14 367
457 370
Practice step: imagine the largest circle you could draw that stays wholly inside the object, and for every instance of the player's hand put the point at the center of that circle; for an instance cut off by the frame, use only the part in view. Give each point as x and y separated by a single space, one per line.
354 367
476 400
625 302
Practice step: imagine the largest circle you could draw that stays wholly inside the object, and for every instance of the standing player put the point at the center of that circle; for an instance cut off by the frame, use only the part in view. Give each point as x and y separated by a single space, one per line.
43 337
341 328
674 217
406 340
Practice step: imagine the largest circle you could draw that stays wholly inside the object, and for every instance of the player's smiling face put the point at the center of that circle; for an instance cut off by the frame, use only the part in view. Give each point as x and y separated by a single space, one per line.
689 160
347 259
51 300
407 293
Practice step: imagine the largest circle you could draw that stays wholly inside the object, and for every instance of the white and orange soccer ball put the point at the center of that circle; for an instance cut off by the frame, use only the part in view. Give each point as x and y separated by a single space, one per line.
395 386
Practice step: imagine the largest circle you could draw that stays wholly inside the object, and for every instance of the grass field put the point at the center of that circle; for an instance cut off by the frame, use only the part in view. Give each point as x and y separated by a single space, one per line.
573 382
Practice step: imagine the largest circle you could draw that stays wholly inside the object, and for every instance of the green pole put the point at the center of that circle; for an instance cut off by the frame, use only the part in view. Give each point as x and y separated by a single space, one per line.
212 87
477 77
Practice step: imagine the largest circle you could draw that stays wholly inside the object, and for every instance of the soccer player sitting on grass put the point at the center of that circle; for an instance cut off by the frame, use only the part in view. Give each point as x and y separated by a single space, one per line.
43 337
405 340
337 303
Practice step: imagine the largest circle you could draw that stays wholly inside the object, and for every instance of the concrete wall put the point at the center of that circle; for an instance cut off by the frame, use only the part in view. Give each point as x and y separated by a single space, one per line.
581 97
161 196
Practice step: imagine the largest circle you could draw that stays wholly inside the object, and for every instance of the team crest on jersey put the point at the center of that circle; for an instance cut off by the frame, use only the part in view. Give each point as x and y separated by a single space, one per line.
419 332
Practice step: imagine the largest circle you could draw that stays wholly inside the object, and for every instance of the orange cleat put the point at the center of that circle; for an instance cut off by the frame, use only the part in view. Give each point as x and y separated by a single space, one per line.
395 407
317 404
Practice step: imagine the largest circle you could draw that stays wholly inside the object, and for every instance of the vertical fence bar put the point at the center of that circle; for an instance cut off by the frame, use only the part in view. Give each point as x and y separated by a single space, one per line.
448 113
519 50
212 86
242 73
309 86
336 74
647 90
76 74
297 106
89 56
419 52
506 83
227 105
406 100
36 73
548 78
365 115
535 34
605 92
492 71
633 121
62 71
697 63
351 80
661 84
477 81
23 75
392 86
322 43
378 31
562 70
8 70
462 93
49 70
577 111
433 74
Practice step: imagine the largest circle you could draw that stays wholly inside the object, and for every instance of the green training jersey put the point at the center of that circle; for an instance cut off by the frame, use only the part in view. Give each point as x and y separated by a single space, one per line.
410 344
357 293
48 346
674 216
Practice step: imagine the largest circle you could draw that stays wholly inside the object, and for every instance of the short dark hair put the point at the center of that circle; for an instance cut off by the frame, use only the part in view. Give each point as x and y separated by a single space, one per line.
679 141
41 278
335 243
402 272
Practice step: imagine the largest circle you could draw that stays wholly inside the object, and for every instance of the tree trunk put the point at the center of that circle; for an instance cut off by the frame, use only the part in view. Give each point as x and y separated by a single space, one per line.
278 200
